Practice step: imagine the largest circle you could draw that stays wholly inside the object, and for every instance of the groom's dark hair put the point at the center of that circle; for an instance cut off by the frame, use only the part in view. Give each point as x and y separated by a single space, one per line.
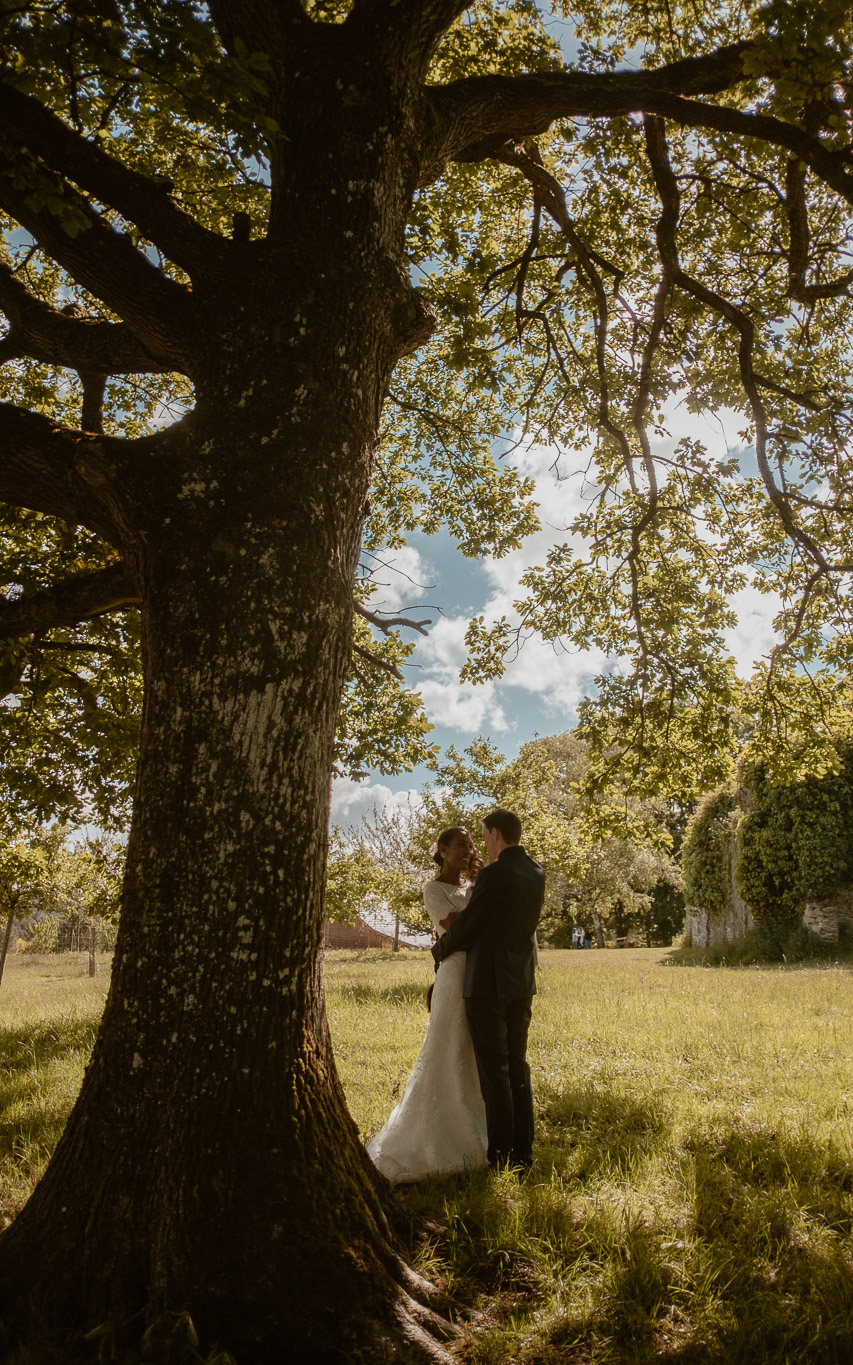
506 822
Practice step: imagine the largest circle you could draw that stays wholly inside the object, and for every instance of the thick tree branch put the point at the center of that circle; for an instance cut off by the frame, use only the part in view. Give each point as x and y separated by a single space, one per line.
63 473
67 338
827 164
547 190
386 623
406 31
76 598
25 122
94 387
667 187
470 116
798 242
155 308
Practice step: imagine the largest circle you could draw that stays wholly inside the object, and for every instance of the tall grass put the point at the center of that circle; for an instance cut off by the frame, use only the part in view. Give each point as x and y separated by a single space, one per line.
692 1195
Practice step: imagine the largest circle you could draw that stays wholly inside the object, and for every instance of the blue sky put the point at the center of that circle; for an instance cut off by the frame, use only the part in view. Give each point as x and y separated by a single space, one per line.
541 688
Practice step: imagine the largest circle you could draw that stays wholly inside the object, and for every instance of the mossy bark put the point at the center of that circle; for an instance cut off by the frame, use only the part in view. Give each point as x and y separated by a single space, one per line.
210 1165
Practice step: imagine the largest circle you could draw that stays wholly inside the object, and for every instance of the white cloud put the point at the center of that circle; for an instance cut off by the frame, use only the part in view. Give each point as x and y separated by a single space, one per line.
448 702
403 578
753 637
351 799
463 706
560 678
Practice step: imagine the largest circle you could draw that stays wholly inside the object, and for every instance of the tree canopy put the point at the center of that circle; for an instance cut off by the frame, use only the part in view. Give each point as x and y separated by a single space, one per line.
602 251
282 282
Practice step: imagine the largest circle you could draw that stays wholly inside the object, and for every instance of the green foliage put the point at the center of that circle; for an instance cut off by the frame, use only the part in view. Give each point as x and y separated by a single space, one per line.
69 718
604 854
706 855
43 936
542 334
781 843
381 724
794 840
351 880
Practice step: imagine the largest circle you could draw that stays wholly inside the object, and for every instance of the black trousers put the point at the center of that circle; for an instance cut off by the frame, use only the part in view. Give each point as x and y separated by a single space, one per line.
499 1033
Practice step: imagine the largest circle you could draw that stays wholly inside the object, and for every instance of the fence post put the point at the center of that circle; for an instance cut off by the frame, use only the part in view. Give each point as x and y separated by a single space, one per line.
93 938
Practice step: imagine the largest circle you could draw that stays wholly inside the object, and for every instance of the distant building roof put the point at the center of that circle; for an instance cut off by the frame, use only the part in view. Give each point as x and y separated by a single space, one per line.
359 935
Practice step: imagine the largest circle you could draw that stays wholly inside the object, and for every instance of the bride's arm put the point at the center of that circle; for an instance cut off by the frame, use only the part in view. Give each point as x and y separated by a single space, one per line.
446 923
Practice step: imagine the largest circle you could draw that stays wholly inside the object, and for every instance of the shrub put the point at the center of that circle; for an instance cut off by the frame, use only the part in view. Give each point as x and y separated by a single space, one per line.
42 935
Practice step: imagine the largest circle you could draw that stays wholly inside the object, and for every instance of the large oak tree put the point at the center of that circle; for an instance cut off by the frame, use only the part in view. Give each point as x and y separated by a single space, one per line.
214 216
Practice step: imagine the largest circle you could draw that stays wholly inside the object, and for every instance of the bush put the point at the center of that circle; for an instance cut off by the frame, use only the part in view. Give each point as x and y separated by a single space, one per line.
42 935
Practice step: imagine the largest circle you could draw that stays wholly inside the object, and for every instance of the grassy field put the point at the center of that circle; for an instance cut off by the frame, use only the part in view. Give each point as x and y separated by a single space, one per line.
692 1197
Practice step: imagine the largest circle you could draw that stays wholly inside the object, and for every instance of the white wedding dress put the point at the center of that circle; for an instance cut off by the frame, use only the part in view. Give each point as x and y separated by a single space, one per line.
439 1126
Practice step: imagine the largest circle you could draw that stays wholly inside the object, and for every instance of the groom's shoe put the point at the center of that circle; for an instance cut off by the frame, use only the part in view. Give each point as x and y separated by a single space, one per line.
520 1165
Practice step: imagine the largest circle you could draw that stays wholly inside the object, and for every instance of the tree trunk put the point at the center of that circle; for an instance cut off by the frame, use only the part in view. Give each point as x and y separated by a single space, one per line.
7 937
93 939
396 933
229 1180
599 928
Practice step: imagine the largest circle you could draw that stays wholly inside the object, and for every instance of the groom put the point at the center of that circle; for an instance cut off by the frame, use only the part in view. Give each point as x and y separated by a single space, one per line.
497 929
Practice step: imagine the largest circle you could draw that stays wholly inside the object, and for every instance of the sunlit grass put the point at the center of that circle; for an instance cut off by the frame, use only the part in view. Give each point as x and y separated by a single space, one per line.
692 1197
49 1012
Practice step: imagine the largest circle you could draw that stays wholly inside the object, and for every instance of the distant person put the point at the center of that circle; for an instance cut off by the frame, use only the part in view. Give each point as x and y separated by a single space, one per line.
577 937
587 938
439 1126
497 928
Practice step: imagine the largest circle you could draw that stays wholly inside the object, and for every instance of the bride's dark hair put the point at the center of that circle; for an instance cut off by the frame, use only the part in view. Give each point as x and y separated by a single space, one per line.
444 838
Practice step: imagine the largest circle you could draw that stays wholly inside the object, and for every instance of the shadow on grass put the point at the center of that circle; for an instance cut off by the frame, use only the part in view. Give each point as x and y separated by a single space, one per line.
743 1257
594 1131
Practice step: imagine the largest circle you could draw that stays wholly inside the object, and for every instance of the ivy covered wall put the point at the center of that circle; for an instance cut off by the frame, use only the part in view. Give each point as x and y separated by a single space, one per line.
779 845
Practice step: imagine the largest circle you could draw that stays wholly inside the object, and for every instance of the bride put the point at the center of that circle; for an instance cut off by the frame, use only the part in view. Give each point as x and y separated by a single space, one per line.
439 1126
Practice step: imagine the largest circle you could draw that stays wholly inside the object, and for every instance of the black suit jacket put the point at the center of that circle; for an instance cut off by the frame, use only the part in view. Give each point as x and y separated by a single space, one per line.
497 928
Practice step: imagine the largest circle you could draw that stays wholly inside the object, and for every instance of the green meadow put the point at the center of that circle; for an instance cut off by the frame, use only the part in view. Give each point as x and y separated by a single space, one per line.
692 1197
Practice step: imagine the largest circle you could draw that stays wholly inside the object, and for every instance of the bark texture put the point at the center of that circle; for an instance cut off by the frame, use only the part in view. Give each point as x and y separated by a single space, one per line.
224 1176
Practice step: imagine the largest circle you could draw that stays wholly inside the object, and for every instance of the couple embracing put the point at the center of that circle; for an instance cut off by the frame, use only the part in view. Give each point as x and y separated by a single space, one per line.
468 1099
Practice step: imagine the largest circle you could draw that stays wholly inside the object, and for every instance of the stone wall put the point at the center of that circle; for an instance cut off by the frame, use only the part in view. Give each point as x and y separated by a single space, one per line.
702 930
825 918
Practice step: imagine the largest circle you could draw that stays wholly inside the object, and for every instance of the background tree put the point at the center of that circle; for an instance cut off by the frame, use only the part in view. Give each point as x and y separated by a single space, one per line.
213 216
350 879
387 841
604 853
53 877
23 875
